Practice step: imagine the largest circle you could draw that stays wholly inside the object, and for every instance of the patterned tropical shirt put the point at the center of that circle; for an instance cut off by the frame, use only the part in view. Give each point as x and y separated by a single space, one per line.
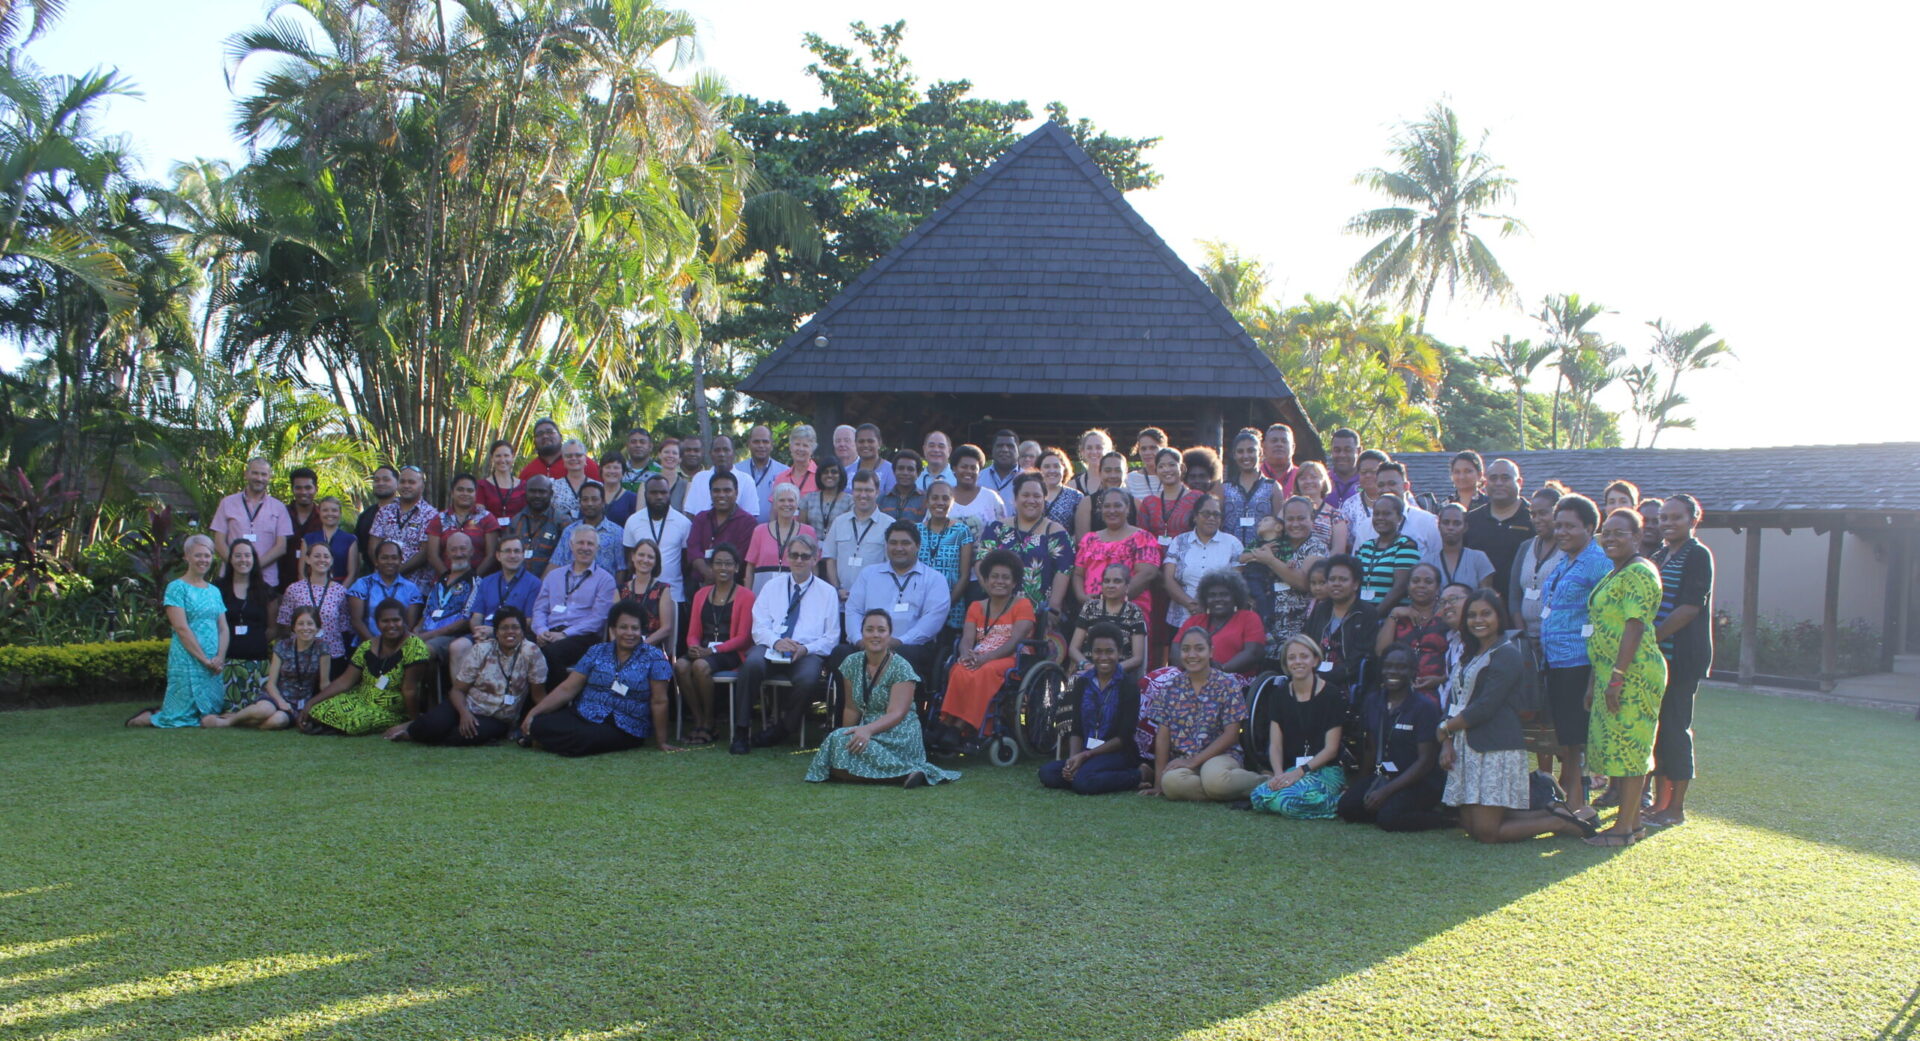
1195 718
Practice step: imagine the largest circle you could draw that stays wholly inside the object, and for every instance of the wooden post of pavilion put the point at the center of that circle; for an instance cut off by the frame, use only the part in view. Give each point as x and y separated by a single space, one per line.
1750 609
1830 616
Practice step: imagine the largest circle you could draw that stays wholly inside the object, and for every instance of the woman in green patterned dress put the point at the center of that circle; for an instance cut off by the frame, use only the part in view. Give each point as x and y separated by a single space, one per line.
1629 673
381 689
881 742
198 651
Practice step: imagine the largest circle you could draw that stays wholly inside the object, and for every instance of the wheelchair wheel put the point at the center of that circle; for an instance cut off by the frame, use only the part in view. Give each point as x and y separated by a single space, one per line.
1002 751
1043 694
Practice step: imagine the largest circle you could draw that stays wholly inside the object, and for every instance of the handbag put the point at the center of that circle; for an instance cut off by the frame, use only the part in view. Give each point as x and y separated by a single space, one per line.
1529 696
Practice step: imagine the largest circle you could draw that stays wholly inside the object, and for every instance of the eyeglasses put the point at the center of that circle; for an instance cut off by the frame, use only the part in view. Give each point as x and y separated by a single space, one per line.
791 555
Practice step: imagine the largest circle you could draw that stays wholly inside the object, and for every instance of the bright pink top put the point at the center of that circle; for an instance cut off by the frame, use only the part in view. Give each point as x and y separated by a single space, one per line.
1096 554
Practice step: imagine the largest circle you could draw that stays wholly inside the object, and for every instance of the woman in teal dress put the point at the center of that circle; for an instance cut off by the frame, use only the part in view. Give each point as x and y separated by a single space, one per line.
198 652
881 742
381 688
1629 673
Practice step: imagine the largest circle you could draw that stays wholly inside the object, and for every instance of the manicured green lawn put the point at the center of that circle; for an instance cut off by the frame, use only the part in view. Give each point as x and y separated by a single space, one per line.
158 886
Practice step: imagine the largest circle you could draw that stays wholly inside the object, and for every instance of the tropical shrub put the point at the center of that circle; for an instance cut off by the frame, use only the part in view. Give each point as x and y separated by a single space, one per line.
31 676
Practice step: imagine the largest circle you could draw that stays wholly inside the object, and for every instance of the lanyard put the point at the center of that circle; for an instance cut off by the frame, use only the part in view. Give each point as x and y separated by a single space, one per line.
253 515
901 584
859 536
408 519
442 596
316 599
386 592
506 667
1029 532
793 529
573 586
1446 573
987 605
869 678
657 529
1392 718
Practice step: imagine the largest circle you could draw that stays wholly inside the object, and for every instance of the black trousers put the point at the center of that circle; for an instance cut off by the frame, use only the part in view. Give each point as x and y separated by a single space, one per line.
1409 809
1673 742
566 732
562 653
440 725
804 671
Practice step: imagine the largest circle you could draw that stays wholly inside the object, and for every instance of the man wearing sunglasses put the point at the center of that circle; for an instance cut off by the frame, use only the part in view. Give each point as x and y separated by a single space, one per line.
796 622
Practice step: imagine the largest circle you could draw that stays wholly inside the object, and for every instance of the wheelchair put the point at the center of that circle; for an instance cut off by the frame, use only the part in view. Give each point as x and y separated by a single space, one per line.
1029 714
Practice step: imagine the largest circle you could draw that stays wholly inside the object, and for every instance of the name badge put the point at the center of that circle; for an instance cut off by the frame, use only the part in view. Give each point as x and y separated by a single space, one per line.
901 608
715 645
855 560
1166 540
1300 761
239 630
1586 630
1403 726
381 683
709 553
509 700
1544 612
441 613
1326 666
1390 767
1367 595
558 609
619 687
250 537
1279 586
1527 594
1246 522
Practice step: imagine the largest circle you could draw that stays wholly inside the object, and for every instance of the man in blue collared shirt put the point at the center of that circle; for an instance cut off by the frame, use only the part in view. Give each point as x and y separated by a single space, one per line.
513 585
937 449
913 593
593 506
1005 469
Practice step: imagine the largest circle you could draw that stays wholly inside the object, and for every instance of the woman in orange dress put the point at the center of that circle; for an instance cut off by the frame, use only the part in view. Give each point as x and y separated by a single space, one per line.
988 643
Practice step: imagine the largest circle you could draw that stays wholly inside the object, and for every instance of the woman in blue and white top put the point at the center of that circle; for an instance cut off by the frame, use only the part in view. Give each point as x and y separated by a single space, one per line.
614 698
1564 631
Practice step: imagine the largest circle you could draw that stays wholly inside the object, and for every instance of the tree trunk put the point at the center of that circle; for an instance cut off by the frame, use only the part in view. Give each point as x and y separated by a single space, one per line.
1426 298
1520 414
702 422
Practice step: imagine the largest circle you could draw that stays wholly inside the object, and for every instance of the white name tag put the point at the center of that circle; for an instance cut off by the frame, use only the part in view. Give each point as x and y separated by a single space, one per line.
1367 595
715 645
239 630
437 615
1166 540
381 683
558 610
1403 726
1544 612
619 688
1390 767
709 553
1527 593
1300 761
1246 522
249 537
1586 630
855 560
1326 666
1279 587
901 608
509 700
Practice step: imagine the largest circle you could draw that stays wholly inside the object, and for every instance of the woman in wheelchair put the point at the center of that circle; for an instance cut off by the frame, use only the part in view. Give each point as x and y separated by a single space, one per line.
1102 756
989 644
879 739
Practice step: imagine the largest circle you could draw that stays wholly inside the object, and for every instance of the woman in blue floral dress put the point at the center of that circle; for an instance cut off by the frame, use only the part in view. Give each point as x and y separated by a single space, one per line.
197 654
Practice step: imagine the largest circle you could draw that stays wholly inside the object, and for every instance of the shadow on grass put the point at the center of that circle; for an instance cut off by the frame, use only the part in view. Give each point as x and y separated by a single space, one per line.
496 894
1905 1023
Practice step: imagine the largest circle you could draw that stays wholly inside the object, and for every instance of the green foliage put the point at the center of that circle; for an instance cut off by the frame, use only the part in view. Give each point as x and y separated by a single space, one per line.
1440 186
1477 412
881 155
91 671
1783 648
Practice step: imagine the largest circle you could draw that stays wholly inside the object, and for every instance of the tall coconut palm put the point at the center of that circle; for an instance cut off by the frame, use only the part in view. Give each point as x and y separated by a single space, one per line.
1682 351
1565 318
1515 360
1442 186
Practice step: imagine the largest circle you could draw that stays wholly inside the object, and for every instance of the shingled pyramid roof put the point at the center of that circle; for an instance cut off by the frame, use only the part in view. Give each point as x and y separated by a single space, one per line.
1036 278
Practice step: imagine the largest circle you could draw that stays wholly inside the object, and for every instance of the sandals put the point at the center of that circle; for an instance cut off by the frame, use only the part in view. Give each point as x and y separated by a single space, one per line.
1589 825
1614 840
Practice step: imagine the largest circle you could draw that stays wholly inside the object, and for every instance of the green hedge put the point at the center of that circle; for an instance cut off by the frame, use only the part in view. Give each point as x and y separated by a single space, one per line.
81 672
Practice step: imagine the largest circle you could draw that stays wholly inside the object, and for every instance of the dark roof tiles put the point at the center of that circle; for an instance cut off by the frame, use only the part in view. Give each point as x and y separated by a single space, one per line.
1038 262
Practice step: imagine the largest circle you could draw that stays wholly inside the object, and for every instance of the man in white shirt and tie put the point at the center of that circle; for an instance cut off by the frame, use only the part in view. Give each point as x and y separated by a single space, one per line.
796 623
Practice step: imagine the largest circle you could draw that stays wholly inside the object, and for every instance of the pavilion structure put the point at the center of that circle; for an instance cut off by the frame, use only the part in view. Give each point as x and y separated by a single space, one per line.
1033 299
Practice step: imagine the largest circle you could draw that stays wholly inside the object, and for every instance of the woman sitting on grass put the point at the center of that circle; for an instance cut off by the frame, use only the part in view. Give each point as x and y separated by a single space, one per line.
1301 721
380 689
1400 780
197 654
879 738
612 699
1197 711
497 680
1481 745
1101 754
299 666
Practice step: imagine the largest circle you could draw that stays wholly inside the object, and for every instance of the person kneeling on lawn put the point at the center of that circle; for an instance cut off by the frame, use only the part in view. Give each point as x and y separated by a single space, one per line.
1402 783
879 740
613 698
381 688
1101 754
495 682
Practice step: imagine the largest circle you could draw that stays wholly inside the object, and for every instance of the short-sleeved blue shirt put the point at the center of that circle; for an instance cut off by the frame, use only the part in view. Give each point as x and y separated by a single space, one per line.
373 589
1564 595
631 711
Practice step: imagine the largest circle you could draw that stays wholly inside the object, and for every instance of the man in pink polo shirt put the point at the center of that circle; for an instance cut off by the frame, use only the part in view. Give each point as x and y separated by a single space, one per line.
251 515
1276 457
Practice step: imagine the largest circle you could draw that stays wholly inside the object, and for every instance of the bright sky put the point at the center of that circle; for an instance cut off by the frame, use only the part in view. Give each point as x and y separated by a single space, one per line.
1692 162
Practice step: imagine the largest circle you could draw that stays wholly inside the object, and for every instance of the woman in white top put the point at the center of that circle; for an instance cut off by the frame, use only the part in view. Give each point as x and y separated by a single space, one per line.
1193 554
974 506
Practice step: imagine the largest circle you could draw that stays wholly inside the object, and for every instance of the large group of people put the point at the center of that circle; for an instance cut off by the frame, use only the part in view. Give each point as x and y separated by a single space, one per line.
1310 640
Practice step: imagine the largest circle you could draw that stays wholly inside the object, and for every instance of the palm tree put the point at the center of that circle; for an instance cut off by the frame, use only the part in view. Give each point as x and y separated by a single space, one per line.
1239 281
1514 360
1565 317
1682 351
1441 185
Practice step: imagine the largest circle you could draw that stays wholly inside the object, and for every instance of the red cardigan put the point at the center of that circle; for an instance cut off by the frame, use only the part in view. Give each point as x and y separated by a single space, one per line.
740 620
